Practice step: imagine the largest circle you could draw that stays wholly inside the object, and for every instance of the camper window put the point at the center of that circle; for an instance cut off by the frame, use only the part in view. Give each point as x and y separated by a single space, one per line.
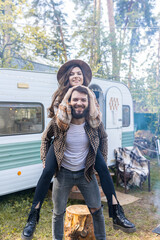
126 116
21 118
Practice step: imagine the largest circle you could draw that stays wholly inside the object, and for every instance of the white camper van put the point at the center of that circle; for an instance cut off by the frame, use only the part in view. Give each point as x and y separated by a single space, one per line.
24 99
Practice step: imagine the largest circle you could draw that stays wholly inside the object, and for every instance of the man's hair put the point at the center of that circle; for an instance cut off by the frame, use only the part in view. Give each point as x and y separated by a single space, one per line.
81 90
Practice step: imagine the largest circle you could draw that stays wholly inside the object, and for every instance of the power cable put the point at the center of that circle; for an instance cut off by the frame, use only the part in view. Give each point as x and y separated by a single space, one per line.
72 26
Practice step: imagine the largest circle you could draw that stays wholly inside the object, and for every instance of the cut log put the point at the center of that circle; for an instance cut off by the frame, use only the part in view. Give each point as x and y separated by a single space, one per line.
78 223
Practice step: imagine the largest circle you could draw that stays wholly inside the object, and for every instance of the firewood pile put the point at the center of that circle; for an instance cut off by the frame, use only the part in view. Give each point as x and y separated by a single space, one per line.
146 142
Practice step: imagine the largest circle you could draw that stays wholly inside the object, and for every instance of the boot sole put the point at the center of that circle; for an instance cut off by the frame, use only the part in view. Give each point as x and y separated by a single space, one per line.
26 238
126 230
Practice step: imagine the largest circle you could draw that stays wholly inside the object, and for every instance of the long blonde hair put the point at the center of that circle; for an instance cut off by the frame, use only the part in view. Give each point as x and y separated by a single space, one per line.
64 85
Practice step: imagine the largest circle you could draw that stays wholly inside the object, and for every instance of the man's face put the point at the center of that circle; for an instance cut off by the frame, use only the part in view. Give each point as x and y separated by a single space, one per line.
79 104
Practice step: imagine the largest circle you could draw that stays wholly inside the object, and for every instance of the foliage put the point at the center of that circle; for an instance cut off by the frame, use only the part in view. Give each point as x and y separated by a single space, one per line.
135 19
88 35
126 49
50 39
10 39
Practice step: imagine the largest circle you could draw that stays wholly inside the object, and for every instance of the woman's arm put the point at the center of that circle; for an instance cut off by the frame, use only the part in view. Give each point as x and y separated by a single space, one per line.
63 111
95 115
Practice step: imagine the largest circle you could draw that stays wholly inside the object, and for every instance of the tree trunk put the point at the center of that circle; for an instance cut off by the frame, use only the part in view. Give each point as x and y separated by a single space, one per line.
158 63
91 62
6 41
62 39
95 46
130 70
115 70
98 18
157 82
61 32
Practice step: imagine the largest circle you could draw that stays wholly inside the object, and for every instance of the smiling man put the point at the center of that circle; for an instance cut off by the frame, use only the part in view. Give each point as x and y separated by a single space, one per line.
79 105
79 145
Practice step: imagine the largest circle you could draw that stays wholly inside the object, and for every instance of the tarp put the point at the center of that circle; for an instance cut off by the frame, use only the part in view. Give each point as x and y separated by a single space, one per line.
157 229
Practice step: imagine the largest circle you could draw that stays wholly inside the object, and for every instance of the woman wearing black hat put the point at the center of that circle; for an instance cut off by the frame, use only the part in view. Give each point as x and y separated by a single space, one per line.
70 75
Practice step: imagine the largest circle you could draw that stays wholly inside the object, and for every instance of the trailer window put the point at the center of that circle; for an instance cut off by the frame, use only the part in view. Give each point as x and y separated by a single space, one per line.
21 118
126 116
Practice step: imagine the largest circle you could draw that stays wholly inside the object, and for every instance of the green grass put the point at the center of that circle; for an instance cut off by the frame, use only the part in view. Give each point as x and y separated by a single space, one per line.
144 213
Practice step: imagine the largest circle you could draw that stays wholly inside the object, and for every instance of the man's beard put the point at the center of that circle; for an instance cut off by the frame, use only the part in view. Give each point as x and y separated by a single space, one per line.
79 115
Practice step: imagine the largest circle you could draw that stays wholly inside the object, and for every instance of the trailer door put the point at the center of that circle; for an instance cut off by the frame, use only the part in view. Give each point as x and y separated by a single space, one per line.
113 121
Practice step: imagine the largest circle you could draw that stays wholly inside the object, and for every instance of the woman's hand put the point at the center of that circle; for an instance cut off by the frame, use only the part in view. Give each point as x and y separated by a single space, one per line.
90 93
92 108
68 94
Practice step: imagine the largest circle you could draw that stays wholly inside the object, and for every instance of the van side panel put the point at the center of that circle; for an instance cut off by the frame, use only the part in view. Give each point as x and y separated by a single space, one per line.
127 139
20 178
20 164
13 155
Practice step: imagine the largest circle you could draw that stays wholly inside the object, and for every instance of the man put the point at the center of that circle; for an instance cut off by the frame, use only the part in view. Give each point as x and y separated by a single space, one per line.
75 150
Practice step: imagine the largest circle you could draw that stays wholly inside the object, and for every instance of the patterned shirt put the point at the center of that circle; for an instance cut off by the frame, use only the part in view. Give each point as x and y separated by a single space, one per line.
97 138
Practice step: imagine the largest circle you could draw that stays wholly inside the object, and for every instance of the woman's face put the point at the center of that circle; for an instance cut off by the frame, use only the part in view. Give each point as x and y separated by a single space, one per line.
76 77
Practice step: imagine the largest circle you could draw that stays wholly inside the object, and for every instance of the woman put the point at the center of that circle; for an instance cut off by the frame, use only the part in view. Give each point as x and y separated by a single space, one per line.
70 75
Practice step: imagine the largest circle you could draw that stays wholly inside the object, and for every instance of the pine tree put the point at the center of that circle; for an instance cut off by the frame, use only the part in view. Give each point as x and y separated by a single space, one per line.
10 38
87 33
54 42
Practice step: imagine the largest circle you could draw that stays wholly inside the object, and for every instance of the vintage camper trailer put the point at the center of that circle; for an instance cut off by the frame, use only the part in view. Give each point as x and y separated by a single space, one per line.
24 99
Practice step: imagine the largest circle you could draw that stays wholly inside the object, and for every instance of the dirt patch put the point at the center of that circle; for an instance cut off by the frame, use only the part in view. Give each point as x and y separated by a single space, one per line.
123 198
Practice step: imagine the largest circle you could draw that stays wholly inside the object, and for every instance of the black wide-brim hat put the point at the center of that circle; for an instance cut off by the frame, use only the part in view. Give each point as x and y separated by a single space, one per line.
83 65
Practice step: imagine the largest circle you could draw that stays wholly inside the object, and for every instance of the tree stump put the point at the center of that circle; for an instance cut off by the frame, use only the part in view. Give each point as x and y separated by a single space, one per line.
78 223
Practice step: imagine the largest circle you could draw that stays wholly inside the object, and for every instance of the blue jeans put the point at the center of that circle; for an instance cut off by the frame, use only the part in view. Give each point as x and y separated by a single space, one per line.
62 186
